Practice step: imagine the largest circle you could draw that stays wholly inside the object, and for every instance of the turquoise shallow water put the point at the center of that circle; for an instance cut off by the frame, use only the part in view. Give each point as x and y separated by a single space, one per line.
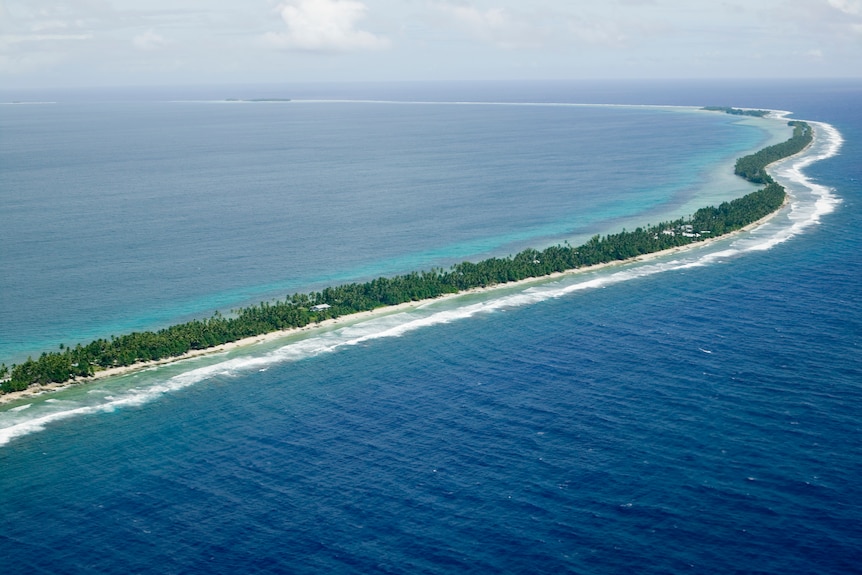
698 413
163 209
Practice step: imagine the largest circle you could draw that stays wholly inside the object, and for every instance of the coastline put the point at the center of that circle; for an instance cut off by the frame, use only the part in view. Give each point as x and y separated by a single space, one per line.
36 390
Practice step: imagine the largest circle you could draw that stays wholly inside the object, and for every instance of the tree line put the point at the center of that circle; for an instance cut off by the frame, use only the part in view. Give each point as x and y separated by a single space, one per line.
737 111
753 167
299 310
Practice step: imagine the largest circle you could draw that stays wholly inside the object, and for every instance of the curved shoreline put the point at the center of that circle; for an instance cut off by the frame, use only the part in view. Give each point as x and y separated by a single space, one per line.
35 390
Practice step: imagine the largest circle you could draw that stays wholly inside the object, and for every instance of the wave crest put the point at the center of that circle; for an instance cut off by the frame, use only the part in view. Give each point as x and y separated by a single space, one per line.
809 202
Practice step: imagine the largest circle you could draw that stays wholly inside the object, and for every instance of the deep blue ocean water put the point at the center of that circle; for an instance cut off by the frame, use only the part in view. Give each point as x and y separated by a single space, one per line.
696 414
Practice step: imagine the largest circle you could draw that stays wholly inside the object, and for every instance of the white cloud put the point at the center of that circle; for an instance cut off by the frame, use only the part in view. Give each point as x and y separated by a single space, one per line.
497 26
851 18
598 33
555 27
489 20
21 53
20 39
49 25
852 7
149 41
138 41
833 22
324 26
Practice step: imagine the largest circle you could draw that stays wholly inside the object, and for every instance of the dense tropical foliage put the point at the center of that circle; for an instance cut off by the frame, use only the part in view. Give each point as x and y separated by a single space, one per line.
753 167
299 310
737 111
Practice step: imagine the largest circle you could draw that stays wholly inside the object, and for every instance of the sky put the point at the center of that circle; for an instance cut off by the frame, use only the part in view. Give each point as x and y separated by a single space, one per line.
81 43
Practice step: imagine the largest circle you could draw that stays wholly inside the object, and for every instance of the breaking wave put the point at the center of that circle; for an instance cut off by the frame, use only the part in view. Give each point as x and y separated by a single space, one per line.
809 201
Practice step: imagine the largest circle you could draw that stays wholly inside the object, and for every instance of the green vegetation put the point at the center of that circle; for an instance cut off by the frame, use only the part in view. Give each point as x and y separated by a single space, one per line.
737 111
299 310
753 167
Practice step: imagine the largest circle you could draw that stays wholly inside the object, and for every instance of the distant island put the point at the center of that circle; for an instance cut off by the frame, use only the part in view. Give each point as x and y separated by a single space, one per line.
73 364
737 111
26 102
258 100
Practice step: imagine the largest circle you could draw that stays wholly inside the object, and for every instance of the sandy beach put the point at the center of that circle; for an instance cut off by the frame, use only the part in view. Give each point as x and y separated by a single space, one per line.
38 389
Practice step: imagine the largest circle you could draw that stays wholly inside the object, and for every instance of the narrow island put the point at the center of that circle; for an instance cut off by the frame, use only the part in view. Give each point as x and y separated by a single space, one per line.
102 356
737 111
258 100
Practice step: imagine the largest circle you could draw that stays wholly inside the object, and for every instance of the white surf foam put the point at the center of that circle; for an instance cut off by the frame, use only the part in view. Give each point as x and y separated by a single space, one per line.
809 202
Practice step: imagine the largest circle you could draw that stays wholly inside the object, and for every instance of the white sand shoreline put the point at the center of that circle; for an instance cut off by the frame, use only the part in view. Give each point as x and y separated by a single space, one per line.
36 390
40 389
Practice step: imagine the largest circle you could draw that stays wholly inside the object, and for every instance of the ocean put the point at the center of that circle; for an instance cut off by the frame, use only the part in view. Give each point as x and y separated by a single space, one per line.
696 413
